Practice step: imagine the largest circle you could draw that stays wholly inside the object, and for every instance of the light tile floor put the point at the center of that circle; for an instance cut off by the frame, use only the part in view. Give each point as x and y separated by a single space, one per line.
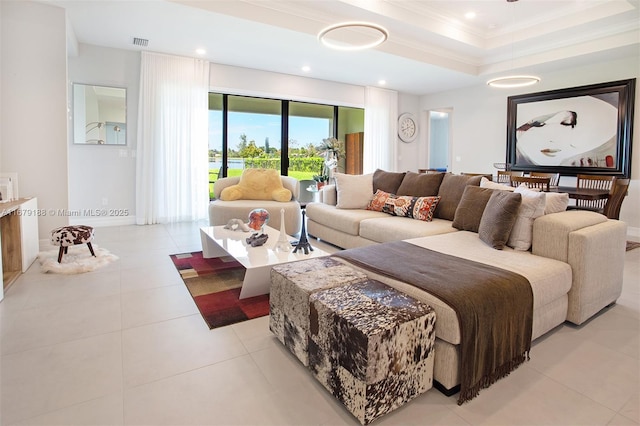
126 346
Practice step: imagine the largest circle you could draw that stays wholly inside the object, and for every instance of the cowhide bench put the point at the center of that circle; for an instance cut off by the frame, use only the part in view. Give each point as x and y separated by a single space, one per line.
291 286
70 236
370 345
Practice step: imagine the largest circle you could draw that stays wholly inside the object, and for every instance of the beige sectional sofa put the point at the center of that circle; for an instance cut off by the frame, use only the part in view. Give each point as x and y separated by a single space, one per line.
574 264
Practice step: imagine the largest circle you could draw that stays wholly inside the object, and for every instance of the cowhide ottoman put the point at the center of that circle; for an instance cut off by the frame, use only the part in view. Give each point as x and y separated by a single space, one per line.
371 346
70 236
291 285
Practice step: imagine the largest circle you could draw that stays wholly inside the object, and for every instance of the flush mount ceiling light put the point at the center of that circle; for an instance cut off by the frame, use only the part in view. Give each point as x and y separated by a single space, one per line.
353 35
511 81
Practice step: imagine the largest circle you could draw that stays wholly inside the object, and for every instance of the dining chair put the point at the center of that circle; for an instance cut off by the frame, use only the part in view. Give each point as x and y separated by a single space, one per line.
541 183
617 193
504 176
554 177
594 182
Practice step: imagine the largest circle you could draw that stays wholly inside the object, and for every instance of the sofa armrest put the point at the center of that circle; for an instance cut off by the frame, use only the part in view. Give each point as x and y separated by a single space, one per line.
223 183
594 247
329 195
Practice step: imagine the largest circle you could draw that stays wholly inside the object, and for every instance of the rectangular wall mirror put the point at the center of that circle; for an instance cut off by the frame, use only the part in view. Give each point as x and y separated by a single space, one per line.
99 115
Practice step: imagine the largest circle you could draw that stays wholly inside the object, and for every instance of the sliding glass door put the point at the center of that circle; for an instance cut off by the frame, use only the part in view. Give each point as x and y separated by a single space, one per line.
247 132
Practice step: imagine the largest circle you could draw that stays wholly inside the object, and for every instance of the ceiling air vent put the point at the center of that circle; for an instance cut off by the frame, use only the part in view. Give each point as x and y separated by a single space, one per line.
140 42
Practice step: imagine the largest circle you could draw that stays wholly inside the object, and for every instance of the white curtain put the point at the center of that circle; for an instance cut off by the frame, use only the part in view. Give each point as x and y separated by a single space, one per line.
380 129
172 156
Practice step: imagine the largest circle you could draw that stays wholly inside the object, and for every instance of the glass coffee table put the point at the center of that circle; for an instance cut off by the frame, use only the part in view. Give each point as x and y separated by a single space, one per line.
218 241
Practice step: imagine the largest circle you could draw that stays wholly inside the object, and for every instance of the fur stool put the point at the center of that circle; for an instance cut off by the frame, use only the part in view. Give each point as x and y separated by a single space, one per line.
291 285
71 236
371 346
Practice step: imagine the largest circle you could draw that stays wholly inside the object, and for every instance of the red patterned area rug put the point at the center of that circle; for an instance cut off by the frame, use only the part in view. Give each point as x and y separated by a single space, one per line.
215 286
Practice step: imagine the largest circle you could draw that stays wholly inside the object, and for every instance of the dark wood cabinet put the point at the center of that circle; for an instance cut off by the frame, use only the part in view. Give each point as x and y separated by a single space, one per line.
354 143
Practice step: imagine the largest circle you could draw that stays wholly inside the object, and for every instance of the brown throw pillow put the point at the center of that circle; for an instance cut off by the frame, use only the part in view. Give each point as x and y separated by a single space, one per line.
387 181
498 218
420 184
450 193
470 209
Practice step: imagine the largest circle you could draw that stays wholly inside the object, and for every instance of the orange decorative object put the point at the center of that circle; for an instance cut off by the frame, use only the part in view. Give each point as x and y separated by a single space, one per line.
258 218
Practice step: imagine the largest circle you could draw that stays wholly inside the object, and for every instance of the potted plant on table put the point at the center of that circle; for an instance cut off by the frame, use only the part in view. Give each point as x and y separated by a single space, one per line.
321 180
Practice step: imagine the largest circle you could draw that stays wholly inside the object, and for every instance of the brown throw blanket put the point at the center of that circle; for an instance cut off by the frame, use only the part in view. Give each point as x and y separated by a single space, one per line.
494 306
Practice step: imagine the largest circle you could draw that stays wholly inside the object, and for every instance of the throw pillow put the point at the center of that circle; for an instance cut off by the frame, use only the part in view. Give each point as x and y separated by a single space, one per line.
531 208
257 184
379 199
420 208
387 181
486 183
470 209
556 202
498 218
420 184
450 192
354 191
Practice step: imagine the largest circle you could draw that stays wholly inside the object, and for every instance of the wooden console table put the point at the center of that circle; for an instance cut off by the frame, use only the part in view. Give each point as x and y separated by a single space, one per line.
18 237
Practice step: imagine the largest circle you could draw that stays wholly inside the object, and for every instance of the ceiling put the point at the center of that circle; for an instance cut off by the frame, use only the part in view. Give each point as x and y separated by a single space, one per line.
431 47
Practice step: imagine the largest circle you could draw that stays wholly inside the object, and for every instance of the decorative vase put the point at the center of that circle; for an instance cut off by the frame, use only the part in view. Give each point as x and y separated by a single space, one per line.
258 218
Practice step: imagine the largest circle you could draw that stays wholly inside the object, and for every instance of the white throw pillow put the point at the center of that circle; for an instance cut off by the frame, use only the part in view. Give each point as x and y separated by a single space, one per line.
531 207
556 202
354 191
486 183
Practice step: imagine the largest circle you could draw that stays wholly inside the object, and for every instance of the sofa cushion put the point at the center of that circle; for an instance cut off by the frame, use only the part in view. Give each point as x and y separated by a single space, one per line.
387 181
470 209
354 191
550 279
498 218
257 184
450 192
343 220
486 183
531 208
420 184
556 202
394 228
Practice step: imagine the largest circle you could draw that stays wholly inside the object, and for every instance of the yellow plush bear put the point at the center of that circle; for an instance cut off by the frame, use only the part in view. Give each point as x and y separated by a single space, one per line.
257 184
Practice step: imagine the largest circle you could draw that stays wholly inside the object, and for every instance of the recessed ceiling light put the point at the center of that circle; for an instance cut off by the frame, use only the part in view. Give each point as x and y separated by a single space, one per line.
513 81
470 15
382 82
306 68
201 51
374 35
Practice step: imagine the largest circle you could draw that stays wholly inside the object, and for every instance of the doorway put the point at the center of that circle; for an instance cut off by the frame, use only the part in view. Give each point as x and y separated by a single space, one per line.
439 139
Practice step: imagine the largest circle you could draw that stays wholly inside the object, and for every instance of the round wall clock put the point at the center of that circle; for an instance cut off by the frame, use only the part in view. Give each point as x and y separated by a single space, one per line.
407 127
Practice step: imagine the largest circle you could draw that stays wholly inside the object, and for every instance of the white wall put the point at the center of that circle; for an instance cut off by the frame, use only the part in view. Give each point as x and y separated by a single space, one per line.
410 154
479 123
104 172
34 105
250 82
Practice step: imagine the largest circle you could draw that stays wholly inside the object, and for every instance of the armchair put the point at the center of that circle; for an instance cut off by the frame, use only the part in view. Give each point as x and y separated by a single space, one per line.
220 212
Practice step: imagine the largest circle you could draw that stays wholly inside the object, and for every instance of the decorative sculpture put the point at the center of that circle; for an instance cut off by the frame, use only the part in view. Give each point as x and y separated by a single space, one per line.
283 243
257 239
303 243
237 225
258 218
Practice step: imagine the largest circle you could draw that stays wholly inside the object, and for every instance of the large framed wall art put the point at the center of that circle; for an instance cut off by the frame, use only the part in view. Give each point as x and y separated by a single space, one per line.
580 130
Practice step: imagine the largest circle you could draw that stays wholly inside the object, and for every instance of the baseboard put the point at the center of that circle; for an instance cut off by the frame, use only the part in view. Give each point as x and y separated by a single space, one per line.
103 221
